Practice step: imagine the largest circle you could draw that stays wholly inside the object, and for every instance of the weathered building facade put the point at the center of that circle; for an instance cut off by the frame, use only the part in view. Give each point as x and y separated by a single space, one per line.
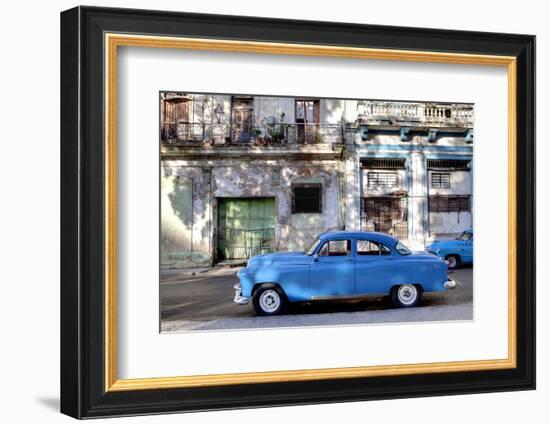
242 175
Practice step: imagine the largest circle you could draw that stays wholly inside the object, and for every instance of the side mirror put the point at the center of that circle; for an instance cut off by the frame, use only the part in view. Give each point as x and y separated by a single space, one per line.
315 257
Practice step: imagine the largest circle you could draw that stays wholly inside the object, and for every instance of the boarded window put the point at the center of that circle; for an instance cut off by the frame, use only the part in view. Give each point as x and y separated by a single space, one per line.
441 180
306 198
382 180
448 204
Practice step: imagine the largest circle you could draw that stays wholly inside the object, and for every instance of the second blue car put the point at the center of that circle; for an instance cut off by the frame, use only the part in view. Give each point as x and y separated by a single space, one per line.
455 251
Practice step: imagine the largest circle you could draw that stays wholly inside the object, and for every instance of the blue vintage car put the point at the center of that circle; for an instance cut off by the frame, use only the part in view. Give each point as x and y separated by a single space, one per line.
455 251
341 265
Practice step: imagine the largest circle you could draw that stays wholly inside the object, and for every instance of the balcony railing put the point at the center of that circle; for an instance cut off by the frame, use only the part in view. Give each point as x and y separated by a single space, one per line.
439 115
192 133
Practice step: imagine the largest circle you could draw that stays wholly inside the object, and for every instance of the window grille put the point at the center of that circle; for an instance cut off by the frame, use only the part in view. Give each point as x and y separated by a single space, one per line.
306 198
448 164
441 180
382 180
386 214
383 163
448 204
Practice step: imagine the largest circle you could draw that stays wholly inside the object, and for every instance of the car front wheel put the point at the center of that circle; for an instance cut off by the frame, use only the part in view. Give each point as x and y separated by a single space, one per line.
269 300
405 295
452 261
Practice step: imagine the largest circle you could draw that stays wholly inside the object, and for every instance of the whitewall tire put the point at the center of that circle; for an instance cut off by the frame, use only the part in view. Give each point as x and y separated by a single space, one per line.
406 295
269 300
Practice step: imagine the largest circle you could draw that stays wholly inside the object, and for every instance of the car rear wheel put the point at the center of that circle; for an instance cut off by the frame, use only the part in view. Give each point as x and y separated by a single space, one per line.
405 295
452 261
269 300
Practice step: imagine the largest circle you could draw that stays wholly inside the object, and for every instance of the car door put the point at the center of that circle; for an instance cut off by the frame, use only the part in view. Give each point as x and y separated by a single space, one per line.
333 269
374 263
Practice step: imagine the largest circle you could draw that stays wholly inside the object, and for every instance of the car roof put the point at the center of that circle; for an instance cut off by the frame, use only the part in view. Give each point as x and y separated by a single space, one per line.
375 236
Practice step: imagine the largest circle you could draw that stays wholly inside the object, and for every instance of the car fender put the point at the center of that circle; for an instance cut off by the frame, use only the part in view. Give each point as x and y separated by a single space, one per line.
293 279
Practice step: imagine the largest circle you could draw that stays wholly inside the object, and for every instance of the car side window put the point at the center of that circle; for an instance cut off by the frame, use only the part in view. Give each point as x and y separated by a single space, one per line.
337 248
365 247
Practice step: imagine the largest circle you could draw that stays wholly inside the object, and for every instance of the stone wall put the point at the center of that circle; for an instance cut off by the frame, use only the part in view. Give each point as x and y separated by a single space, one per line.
189 203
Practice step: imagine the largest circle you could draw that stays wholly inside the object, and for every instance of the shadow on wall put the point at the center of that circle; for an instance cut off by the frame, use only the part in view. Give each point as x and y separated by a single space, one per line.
180 196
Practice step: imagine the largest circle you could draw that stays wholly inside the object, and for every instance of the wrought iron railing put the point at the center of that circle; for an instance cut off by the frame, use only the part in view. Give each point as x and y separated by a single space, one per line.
194 133
278 133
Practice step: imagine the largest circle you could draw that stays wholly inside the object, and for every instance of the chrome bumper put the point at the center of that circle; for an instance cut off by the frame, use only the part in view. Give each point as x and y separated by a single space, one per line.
239 299
450 284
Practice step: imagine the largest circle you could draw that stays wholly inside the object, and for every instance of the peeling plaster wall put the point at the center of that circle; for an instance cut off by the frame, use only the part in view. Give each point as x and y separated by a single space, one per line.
185 221
189 203
448 224
352 191
299 230
333 110
274 179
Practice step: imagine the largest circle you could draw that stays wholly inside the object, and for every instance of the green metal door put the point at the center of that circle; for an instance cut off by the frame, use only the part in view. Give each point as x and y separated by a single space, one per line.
246 227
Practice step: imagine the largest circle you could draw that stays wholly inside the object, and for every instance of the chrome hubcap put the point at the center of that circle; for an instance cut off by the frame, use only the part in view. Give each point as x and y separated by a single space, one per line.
270 301
407 294
452 262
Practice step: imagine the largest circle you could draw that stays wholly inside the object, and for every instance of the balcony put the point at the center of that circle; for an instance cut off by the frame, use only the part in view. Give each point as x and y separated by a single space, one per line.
412 114
183 134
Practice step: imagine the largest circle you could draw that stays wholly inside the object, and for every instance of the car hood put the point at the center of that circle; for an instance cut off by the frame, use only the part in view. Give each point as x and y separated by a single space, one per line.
443 244
423 255
279 258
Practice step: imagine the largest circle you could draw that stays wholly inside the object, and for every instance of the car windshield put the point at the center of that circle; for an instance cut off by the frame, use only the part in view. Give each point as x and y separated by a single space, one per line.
464 236
313 246
402 249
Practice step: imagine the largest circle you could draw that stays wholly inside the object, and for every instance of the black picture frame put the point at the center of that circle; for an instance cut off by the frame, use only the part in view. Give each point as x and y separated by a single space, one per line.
83 392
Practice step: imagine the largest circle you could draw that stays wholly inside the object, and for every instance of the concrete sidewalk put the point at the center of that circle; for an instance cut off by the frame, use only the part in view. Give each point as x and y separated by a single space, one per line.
171 276
459 312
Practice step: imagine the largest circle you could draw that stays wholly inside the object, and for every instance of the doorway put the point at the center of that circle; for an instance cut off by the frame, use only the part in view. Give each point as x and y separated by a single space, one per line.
246 227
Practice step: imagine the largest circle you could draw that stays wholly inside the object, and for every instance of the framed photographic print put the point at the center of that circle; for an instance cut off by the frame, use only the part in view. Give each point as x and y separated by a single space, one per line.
261 212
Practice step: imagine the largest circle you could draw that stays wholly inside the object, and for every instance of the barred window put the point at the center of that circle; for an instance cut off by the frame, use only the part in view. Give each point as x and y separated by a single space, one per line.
382 179
385 206
441 180
306 198
448 204
387 163
448 164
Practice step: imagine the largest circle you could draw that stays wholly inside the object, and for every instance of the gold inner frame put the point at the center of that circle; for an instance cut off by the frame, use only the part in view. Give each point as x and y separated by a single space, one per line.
113 41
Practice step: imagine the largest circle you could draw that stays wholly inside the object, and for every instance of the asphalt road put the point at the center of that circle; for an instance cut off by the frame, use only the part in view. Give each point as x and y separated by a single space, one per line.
205 302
